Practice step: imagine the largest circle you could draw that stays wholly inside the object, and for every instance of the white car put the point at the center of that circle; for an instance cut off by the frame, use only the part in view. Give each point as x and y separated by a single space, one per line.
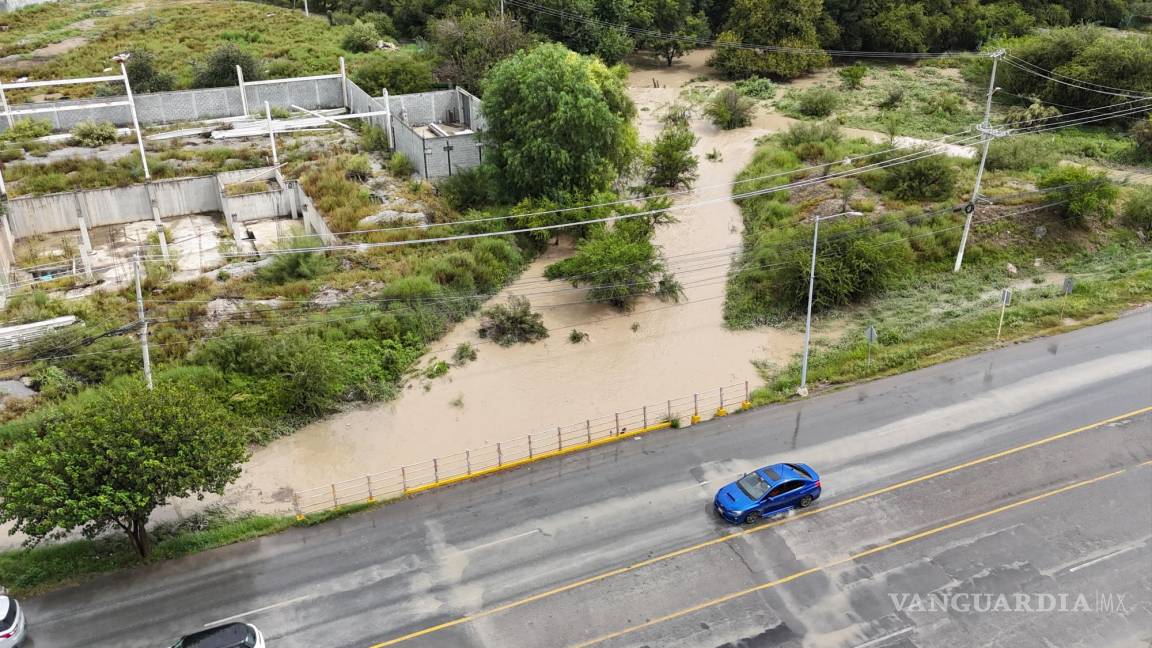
229 635
12 627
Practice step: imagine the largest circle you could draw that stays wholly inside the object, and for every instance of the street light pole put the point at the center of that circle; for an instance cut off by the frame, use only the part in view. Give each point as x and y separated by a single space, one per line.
803 389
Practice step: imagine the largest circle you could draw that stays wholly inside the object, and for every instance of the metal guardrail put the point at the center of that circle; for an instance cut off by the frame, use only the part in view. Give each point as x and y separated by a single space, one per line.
504 455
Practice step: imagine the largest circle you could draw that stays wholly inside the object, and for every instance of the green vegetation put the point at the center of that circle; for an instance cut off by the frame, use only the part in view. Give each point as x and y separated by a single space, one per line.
534 101
756 88
470 44
398 72
107 459
360 37
817 102
853 76
1085 194
728 109
511 323
784 23
669 159
92 134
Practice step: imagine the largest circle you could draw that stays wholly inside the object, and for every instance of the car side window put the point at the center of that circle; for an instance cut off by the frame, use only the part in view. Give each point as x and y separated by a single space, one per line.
776 491
788 487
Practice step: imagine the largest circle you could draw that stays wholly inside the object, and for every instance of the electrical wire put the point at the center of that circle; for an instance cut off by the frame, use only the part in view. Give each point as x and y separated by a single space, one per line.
1040 71
1129 94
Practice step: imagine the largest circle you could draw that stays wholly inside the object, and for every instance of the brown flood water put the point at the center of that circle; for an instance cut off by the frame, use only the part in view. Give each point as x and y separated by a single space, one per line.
509 392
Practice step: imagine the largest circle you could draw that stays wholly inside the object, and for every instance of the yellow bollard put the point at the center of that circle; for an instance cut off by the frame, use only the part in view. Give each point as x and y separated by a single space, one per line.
721 411
695 419
746 405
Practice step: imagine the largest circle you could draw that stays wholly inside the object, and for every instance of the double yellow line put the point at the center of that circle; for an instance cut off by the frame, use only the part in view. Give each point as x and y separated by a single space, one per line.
835 505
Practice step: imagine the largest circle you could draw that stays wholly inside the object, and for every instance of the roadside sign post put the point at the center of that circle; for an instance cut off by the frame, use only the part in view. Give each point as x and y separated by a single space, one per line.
871 335
1068 286
1005 299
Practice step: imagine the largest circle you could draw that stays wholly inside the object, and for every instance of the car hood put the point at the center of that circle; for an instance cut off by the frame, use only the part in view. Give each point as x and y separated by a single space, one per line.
731 497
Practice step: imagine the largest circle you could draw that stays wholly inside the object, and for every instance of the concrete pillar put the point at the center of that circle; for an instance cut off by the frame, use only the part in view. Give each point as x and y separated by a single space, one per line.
156 219
85 239
459 104
388 119
290 190
344 82
243 90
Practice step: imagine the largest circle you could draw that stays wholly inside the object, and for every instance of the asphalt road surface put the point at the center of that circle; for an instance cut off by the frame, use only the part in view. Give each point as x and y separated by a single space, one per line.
1001 500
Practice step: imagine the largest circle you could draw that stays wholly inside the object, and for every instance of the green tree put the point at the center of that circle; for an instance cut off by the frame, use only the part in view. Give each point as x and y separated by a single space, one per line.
470 44
109 459
143 74
925 178
1084 194
671 162
1138 209
678 26
619 264
560 124
512 323
1142 135
397 72
219 69
853 76
781 23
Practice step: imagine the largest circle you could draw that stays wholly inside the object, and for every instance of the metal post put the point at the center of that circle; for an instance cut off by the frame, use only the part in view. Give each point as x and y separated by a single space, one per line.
435 470
695 404
617 423
344 81
645 416
306 8
85 239
388 119
143 324
499 455
721 398
501 9
243 91
335 502
403 480
588 429
4 102
468 461
559 439
669 410
135 120
296 505
803 390
986 139
370 496
271 134
529 446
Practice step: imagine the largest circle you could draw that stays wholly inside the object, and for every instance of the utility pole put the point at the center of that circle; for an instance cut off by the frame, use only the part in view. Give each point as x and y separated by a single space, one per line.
803 389
143 323
987 135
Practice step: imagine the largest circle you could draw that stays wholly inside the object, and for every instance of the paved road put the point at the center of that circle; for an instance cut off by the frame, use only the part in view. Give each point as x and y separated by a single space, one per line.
939 485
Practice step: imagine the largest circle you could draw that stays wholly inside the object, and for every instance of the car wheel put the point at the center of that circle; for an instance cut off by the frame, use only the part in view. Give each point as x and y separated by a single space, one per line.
804 501
752 518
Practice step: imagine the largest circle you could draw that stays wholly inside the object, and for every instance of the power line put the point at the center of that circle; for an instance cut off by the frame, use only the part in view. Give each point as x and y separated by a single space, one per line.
1021 65
1048 74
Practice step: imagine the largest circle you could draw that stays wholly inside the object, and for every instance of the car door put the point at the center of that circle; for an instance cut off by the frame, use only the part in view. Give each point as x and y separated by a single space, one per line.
784 496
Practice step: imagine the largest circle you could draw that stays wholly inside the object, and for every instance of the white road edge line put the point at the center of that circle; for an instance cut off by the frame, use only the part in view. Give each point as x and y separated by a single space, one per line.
501 540
1101 559
887 637
258 610
703 483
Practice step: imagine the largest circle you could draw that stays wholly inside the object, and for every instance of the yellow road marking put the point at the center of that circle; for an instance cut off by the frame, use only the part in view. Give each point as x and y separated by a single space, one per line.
796 516
850 558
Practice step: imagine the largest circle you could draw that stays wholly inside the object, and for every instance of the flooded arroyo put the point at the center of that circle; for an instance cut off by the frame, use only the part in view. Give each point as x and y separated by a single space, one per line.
658 351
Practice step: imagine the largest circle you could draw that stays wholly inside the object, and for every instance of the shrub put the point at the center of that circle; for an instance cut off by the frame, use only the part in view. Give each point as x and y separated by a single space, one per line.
853 76
144 75
893 97
944 104
671 162
810 132
93 134
1142 135
464 354
53 382
512 323
382 22
576 337
756 88
817 102
294 266
400 166
1084 193
26 129
219 69
728 109
360 37
1138 209
373 138
926 178
396 72
1019 153
470 189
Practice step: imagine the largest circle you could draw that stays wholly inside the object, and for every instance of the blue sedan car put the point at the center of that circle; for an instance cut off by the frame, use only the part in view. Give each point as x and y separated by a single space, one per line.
767 491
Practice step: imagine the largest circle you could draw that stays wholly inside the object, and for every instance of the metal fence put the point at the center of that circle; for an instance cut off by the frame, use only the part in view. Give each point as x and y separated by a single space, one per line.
589 433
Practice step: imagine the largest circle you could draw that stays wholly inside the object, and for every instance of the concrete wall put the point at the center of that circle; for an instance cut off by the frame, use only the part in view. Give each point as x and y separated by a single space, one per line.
360 101
14 5
313 221
314 93
32 215
426 107
407 141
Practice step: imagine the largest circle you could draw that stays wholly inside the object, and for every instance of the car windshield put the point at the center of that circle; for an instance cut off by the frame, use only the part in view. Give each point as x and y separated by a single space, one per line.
753 485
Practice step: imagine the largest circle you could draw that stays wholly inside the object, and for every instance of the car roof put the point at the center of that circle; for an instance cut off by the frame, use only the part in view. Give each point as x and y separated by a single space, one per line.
786 472
225 636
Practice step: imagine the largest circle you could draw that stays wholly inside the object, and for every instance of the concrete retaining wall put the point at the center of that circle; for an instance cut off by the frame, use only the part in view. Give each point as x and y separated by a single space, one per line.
360 101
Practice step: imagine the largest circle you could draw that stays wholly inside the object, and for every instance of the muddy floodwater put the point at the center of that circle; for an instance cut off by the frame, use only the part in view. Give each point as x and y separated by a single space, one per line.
658 351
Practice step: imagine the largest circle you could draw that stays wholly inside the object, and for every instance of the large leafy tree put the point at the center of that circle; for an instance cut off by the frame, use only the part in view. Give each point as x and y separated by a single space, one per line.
109 458
783 23
219 69
587 26
470 44
678 26
559 124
